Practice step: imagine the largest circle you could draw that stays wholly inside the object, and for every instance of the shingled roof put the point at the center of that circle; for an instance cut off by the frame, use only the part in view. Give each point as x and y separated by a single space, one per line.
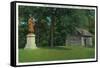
84 32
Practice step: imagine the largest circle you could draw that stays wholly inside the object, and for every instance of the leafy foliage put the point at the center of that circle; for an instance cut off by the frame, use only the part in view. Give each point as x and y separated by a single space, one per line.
54 24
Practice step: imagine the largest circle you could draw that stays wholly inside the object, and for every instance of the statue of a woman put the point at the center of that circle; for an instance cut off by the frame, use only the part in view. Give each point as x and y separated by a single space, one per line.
30 36
31 25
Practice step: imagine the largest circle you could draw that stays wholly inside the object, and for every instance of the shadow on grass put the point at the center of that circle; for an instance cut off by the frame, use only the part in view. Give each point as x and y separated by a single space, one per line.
56 48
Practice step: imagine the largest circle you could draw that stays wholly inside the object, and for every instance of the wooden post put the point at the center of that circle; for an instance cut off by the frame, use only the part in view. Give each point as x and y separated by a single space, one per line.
82 41
90 41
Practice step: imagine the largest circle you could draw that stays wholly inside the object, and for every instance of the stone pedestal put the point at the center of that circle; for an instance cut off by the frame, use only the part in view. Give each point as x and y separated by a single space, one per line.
30 42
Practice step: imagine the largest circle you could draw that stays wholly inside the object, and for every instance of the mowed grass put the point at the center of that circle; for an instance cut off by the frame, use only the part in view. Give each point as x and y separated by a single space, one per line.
56 53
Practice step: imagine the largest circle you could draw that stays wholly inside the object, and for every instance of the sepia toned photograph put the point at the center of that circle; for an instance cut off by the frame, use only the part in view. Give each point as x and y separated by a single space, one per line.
55 33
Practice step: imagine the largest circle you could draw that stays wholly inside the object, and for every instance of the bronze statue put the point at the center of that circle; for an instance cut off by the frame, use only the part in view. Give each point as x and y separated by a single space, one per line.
31 25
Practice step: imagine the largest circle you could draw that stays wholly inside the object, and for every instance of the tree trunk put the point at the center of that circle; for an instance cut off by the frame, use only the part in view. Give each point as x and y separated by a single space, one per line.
52 31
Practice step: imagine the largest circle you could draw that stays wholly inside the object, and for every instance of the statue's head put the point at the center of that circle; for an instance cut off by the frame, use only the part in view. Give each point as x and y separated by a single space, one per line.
30 15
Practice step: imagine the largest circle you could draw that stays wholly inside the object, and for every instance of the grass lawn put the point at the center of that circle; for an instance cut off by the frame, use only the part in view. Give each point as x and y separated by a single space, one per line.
57 53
